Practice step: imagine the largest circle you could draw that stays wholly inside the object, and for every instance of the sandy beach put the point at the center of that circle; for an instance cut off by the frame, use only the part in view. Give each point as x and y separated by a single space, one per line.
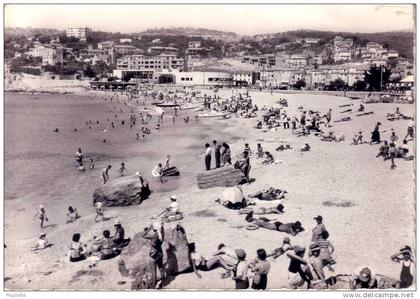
368 209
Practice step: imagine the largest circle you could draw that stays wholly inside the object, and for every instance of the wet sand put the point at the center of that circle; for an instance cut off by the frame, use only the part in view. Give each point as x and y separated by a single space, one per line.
39 168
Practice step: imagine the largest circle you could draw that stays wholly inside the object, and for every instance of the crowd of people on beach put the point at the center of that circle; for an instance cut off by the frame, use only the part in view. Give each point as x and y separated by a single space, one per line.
310 270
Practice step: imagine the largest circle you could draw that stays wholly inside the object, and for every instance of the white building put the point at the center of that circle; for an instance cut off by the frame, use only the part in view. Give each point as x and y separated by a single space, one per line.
203 78
80 33
243 78
311 40
297 60
125 40
342 56
49 55
194 44
156 63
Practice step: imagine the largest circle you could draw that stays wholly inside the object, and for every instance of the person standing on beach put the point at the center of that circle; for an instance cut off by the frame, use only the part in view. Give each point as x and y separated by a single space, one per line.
41 215
376 135
105 175
303 121
404 257
240 273
410 130
226 155
122 169
318 229
207 156
79 157
217 154
328 117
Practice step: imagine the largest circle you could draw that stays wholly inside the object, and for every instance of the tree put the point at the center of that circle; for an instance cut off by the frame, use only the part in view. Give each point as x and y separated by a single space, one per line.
337 84
299 84
373 77
360 86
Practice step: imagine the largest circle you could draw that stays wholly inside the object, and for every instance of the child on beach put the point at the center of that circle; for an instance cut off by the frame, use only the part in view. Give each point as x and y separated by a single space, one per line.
260 151
306 147
358 137
42 242
393 137
404 257
72 214
384 150
168 157
41 215
122 168
99 211
325 252
92 164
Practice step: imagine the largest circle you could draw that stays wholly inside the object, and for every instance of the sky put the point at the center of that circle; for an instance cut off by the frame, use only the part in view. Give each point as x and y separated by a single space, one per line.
241 19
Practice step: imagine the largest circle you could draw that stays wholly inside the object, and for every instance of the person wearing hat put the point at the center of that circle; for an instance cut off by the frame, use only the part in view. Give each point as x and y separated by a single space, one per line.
154 233
404 256
363 278
240 273
285 246
318 229
299 271
119 234
41 215
42 242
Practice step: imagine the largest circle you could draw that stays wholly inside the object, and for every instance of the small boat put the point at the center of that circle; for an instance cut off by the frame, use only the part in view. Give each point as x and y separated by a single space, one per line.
216 114
188 107
166 105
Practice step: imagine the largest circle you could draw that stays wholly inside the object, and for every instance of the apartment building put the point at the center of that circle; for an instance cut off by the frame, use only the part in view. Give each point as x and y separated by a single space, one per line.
80 33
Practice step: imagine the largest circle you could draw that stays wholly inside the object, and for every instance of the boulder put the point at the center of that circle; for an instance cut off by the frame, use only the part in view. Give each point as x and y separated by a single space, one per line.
227 176
124 191
135 261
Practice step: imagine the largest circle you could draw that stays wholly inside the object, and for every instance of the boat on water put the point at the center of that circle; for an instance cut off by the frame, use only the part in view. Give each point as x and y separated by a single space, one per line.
189 107
166 105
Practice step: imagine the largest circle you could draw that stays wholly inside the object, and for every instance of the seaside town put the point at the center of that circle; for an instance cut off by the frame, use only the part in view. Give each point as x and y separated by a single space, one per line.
186 158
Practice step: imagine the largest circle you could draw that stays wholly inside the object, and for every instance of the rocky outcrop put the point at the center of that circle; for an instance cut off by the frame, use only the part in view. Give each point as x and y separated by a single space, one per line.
135 261
220 177
124 191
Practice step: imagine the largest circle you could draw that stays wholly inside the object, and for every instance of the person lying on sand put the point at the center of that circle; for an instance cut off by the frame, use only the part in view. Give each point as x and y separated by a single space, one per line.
236 205
292 228
269 194
198 262
283 147
279 209
347 118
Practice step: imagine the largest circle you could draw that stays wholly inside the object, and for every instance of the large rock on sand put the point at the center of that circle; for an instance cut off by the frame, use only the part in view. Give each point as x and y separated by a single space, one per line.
135 257
227 176
124 191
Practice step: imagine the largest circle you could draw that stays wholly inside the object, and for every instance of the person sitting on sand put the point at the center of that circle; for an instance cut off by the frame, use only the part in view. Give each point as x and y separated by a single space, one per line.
198 262
383 150
361 108
260 151
306 147
228 255
81 168
285 246
279 209
105 175
269 159
358 137
42 242
269 194
299 271
410 130
119 235
78 251
363 278
41 215
404 256
283 147
122 169
107 248
72 214
292 228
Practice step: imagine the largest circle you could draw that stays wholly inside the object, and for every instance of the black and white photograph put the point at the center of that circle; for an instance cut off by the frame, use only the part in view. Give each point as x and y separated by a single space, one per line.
201 147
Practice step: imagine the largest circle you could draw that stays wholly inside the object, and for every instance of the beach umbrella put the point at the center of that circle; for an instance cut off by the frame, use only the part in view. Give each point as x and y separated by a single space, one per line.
233 194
